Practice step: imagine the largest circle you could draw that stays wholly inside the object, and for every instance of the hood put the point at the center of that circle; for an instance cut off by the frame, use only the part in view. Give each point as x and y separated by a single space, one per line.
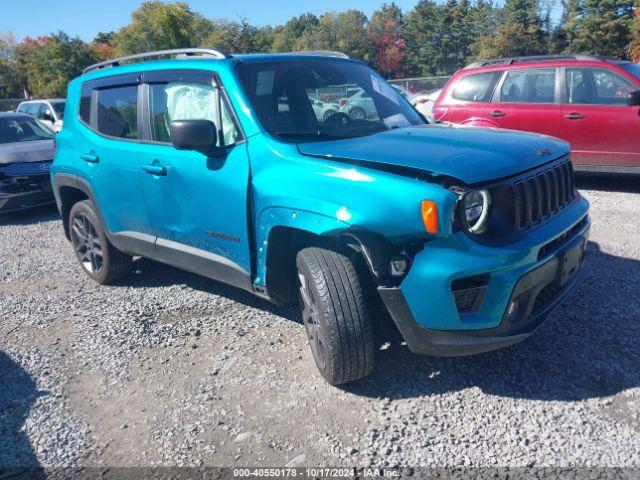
470 154
26 152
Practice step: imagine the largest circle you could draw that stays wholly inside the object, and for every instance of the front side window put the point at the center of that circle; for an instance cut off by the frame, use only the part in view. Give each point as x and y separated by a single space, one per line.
477 87
597 86
529 86
13 130
314 99
189 101
117 114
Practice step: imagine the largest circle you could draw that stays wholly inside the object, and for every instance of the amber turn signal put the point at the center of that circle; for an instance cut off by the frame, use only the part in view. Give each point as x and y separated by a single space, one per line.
430 216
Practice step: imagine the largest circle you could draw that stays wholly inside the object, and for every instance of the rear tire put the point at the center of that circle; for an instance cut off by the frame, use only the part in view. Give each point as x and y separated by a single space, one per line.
98 258
357 113
335 315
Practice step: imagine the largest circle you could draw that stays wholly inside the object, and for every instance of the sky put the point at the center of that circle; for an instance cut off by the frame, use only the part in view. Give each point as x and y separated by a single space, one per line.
85 18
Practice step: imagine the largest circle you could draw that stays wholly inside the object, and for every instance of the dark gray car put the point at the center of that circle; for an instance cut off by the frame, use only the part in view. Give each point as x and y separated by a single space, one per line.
26 154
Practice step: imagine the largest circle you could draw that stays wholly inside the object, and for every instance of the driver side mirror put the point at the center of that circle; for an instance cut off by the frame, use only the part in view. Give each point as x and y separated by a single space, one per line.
633 100
198 135
48 116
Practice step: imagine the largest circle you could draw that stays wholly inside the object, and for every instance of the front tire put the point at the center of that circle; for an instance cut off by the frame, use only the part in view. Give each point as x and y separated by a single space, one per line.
98 258
335 315
357 113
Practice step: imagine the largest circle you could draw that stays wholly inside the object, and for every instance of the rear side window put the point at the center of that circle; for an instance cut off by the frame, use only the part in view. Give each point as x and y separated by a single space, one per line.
117 114
529 86
85 104
477 87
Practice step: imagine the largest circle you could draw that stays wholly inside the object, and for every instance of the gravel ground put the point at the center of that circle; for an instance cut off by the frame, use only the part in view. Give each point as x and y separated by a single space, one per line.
168 368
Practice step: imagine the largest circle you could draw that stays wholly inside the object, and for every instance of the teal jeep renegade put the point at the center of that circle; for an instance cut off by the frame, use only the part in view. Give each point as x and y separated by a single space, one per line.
246 170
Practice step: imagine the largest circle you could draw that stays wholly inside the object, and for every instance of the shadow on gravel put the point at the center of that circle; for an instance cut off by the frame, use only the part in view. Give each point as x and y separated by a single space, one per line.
18 392
588 348
29 217
608 182
148 273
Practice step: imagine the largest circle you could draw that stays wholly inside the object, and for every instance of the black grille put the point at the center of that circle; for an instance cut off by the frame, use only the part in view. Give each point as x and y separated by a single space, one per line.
543 193
13 185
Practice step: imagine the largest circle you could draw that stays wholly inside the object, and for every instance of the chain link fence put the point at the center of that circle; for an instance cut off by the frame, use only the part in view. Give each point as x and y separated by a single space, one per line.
10 104
421 84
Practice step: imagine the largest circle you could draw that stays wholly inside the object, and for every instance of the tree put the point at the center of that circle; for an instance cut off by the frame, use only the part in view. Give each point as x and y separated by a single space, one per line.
520 32
600 27
51 62
234 37
634 46
343 32
158 26
387 44
421 31
11 81
286 37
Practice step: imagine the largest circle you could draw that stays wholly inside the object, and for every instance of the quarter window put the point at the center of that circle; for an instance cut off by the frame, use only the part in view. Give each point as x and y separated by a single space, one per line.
596 86
189 101
529 86
476 88
117 114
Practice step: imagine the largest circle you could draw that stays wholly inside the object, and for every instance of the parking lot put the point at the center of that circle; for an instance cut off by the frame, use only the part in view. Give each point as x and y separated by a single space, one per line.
168 368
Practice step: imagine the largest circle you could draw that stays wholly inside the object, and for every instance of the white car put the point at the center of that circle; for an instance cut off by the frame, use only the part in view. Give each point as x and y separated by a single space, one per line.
423 102
358 105
323 110
48 111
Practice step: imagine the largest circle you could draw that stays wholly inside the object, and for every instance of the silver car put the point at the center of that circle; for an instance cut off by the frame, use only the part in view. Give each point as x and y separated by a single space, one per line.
26 154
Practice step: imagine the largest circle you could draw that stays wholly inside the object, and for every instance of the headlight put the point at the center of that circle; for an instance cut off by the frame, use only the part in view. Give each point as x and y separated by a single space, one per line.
476 205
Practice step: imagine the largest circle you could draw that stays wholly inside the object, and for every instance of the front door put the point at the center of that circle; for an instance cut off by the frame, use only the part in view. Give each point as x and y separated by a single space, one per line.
526 100
597 122
197 205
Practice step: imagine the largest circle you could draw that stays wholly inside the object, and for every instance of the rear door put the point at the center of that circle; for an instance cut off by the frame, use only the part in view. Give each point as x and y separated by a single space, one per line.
596 120
108 152
528 100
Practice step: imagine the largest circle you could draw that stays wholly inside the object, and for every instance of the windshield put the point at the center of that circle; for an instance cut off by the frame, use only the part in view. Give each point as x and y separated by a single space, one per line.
59 108
319 99
632 68
20 129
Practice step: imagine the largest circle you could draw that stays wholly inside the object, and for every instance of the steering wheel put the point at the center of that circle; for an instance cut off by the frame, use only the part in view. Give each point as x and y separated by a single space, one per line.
340 118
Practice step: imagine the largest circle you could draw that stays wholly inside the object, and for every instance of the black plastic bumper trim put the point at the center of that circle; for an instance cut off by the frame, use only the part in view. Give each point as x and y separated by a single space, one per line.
455 343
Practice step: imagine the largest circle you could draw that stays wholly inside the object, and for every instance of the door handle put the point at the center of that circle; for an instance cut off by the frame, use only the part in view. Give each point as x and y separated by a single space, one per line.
497 113
574 116
158 170
90 157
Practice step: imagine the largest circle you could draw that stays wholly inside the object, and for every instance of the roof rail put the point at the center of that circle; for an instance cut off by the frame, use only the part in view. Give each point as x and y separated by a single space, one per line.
539 58
178 52
324 53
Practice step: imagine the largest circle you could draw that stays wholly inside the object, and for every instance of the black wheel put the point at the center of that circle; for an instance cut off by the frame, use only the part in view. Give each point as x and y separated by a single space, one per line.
98 258
335 315
357 113
328 114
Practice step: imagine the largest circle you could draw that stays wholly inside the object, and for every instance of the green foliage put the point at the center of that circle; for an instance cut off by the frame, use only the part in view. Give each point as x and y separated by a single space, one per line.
600 27
157 26
11 79
344 32
53 61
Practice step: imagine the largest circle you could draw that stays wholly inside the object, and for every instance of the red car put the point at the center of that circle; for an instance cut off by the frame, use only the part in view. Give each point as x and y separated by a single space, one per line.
591 102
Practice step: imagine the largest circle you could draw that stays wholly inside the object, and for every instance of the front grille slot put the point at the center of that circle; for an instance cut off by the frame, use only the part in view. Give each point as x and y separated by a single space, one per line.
545 193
